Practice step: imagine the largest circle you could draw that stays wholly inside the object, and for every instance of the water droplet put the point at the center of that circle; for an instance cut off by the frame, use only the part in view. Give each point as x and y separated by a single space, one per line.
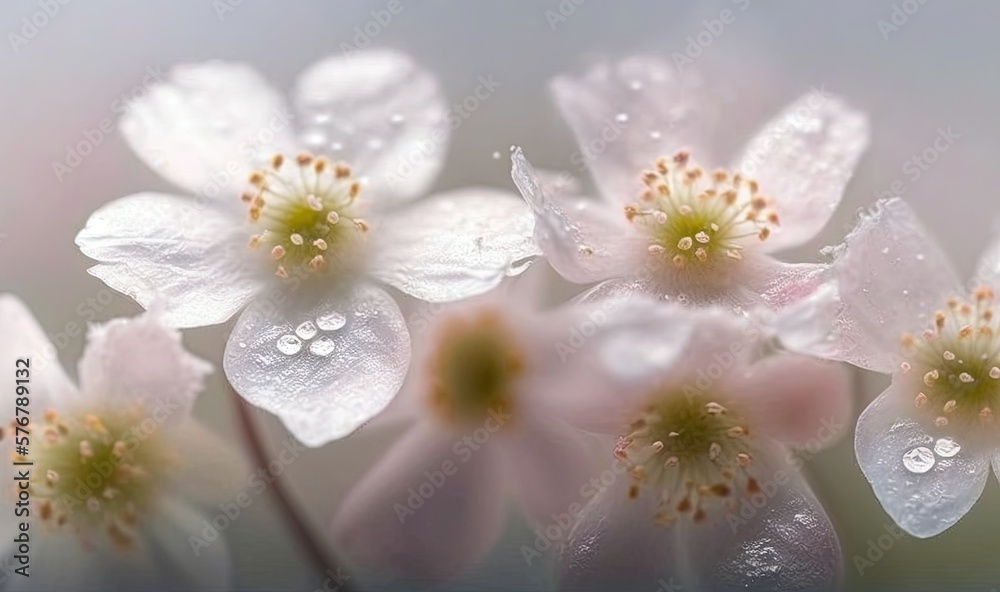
396 118
920 256
336 147
906 292
321 347
919 460
655 135
289 344
331 321
496 156
314 138
375 143
621 118
885 250
321 118
635 85
243 344
946 447
306 330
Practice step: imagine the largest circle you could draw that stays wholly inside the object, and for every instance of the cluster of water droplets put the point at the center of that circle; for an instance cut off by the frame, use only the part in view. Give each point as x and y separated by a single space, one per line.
305 335
921 459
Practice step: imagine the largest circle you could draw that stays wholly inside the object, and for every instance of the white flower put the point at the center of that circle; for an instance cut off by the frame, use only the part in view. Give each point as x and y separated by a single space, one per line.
323 216
665 225
896 306
435 504
707 493
118 465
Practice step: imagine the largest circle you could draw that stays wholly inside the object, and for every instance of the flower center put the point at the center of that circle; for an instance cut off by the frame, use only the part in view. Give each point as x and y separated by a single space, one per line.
305 213
691 448
474 368
697 221
97 473
958 360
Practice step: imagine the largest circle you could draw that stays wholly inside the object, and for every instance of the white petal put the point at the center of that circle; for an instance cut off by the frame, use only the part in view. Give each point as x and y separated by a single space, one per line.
804 158
382 113
211 467
23 338
923 504
988 266
777 539
584 241
547 464
141 360
426 510
170 536
191 255
778 284
331 384
207 125
454 245
59 562
626 115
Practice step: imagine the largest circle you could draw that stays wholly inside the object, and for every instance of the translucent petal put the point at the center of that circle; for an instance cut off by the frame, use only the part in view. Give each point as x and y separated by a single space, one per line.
380 112
188 563
988 266
207 125
327 386
429 509
928 500
584 241
21 338
211 466
627 114
804 158
141 360
190 255
454 245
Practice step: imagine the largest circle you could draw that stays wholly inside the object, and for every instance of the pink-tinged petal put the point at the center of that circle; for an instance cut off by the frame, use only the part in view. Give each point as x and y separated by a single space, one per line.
190 255
454 245
430 508
616 545
184 563
924 499
324 363
627 114
779 538
583 240
382 113
778 284
141 360
207 125
804 159
799 400
547 463
23 338
211 468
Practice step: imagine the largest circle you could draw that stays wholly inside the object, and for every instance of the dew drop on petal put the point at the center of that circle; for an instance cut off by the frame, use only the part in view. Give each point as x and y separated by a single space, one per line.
906 292
635 85
375 144
321 118
885 250
331 321
496 156
919 460
306 330
920 256
321 347
655 135
396 118
314 138
946 447
336 147
621 118
243 344
289 345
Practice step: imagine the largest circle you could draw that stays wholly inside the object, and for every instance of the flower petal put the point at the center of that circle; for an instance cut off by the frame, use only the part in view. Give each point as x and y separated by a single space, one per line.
454 245
988 266
211 468
922 503
799 399
23 338
635 111
778 284
330 384
804 158
62 564
582 240
141 360
207 126
189 564
151 245
382 113
424 510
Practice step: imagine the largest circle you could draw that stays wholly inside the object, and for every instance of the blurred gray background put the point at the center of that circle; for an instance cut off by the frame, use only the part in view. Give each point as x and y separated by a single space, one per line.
937 68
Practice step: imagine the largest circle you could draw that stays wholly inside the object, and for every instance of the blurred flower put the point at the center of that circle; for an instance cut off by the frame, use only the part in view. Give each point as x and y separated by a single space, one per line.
709 494
118 464
666 226
314 222
896 306
434 504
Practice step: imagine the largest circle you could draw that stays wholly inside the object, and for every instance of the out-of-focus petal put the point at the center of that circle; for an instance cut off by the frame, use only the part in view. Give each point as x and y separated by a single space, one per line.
59 563
584 241
454 245
804 158
927 493
211 468
380 112
429 509
141 360
547 463
187 564
207 125
988 266
190 255
627 114
324 363
23 338
799 399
